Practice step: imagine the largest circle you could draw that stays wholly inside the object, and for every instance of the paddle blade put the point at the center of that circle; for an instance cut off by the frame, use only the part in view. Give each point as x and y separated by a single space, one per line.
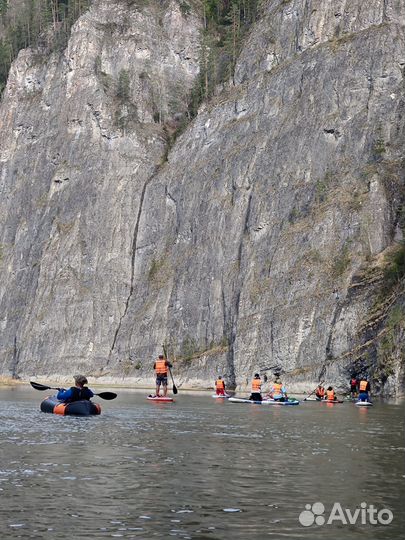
38 386
106 395
174 389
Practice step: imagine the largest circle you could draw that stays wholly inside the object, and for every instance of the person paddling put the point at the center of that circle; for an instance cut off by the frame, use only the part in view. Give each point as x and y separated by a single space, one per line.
330 394
320 392
256 388
364 389
278 392
79 392
161 367
220 387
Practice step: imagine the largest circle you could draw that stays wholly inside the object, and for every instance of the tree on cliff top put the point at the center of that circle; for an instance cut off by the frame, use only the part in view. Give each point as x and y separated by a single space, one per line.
26 23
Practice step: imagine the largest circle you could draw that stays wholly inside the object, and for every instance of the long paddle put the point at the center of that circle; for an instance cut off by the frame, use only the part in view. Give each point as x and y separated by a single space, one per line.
170 371
174 386
313 391
103 395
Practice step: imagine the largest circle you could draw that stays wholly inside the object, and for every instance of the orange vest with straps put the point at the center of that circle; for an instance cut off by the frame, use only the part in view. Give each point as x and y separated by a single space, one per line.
160 367
277 388
219 384
256 385
330 394
363 386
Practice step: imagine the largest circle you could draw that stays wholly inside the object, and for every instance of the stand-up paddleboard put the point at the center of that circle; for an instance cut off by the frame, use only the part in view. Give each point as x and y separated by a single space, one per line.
264 402
161 399
226 396
335 402
363 403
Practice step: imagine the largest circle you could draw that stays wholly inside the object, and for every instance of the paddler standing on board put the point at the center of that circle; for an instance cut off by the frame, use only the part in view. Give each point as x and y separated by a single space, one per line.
256 394
220 386
354 386
161 367
364 389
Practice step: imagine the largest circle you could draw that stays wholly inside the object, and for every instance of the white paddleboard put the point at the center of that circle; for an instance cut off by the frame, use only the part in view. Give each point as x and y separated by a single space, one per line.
264 402
363 403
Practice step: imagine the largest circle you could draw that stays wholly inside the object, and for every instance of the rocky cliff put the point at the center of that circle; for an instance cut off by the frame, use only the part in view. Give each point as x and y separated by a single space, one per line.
268 236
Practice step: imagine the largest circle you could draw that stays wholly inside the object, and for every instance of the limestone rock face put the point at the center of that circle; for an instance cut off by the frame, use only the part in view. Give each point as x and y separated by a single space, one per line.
260 243
81 136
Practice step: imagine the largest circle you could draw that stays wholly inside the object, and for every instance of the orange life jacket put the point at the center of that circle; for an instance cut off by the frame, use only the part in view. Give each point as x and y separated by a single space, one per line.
320 392
330 395
363 386
277 388
256 385
219 384
161 367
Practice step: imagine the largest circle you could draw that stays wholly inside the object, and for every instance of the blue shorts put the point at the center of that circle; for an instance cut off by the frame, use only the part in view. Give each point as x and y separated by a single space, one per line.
161 379
363 396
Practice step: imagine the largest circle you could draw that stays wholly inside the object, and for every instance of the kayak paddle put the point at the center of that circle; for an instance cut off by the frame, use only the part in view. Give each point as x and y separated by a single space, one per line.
103 395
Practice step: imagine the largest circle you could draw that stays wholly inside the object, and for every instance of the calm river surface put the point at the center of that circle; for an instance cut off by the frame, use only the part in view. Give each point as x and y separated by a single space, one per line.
197 469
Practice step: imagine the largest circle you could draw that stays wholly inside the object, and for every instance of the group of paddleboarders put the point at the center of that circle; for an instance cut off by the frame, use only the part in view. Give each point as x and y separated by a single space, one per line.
277 391
329 394
359 389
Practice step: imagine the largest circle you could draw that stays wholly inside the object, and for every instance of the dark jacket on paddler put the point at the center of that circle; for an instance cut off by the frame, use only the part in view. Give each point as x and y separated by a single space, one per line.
74 394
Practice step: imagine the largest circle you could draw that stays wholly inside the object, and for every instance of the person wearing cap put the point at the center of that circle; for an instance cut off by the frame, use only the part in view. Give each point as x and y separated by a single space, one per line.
256 394
78 392
161 367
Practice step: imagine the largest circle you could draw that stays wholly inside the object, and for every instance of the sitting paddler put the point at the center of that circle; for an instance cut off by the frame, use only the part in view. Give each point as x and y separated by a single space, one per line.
220 386
161 367
256 394
79 392
320 392
278 391
364 389
330 394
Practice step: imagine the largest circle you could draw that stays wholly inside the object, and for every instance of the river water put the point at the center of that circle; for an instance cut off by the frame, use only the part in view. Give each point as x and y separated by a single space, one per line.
198 468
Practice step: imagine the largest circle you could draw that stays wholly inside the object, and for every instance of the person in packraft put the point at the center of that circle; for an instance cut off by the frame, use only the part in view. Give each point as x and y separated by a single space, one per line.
330 394
220 386
256 394
364 389
78 392
161 367
320 392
